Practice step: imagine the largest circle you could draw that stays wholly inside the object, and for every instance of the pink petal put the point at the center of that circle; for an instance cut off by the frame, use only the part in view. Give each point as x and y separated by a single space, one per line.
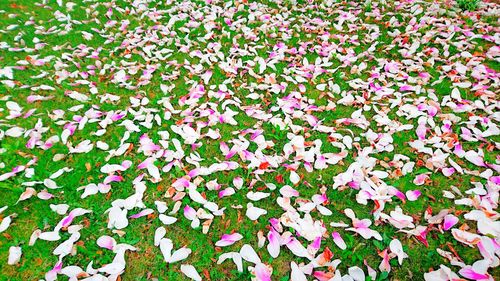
142 213
238 182
421 131
288 191
68 219
274 244
420 179
449 222
226 192
316 244
228 239
44 195
189 213
339 241
469 273
448 171
262 272
106 242
384 265
413 195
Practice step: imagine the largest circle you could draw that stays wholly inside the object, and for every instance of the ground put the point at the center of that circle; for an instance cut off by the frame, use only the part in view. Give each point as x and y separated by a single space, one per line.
310 111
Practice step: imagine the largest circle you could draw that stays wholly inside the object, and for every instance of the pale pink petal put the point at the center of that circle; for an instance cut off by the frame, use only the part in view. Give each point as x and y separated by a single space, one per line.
339 241
420 179
262 273
413 195
106 242
274 244
228 239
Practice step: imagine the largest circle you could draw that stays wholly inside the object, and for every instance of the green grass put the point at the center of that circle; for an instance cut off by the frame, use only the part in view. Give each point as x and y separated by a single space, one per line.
147 261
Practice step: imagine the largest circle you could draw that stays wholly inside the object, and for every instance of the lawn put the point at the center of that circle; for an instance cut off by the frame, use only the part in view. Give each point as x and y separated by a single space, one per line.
249 140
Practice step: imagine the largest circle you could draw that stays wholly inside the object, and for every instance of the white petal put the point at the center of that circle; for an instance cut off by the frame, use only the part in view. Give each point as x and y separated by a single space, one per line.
180 254
190 272
249 254
14 255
